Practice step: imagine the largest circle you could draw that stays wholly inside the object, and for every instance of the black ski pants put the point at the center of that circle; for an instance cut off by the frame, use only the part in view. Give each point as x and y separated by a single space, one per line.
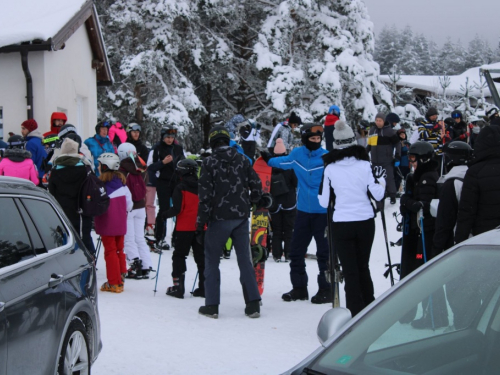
352 240
215 238
282 225
329 137
249 148
183 242
164 190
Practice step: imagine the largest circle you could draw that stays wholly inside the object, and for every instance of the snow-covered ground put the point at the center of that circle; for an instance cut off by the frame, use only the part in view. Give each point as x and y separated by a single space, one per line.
147 334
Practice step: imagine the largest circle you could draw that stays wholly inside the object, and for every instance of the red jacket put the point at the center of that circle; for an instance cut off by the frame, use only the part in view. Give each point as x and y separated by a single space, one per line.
184 204
331 120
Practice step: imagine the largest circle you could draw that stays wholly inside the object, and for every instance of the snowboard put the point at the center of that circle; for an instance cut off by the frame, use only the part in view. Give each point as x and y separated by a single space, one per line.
259 226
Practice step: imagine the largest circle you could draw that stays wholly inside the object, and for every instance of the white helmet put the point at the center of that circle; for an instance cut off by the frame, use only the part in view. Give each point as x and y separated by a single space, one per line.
109 160
125 150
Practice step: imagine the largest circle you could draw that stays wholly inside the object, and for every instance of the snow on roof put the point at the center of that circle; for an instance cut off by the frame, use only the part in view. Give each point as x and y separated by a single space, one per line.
431 83
27 20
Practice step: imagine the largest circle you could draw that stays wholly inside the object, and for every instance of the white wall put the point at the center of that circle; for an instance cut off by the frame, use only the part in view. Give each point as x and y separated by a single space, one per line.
61 79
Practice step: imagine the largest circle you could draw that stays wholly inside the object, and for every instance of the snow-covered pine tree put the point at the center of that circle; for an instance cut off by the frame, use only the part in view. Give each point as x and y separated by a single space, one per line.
319 55
478 53
387 48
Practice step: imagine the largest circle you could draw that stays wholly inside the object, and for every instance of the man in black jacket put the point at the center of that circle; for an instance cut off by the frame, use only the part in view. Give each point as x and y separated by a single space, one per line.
134 137
479 207
227 187
166 155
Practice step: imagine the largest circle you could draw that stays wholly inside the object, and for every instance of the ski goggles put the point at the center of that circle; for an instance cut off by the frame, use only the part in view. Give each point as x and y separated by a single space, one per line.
106 124
171 131
456 115
316 129
48 141
135 127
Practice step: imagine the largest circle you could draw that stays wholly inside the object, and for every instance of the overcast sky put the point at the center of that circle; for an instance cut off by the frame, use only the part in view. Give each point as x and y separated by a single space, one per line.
438 19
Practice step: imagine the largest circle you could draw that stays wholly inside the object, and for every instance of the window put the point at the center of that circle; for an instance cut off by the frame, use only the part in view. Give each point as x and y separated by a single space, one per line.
1 124
50 227
38 245
15 244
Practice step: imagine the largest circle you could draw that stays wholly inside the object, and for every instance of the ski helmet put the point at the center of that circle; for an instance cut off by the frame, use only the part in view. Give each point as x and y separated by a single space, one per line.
423 151
65 130
75 137
103 124
50 141
458 152
16 141
310 130
134 127
168 131
457 114
449 122
364 124
401 131
334 110
218 133
187 166
109 161
126 150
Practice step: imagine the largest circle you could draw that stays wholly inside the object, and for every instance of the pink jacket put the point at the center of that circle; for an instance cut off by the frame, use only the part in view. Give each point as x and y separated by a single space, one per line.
22 169
117 129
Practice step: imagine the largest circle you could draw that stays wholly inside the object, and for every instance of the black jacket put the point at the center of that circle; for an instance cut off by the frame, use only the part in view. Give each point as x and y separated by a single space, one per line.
288 200
64 185
167 171
479 207
141 148
421 189
227 186
458 132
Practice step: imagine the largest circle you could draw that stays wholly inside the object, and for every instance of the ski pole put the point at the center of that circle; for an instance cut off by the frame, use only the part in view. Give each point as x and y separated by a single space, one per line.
387 246
425 261
194 284
99 243
334 276
157 273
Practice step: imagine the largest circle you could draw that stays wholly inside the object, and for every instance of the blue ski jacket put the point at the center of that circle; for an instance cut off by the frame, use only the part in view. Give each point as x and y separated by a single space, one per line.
97 146
308 167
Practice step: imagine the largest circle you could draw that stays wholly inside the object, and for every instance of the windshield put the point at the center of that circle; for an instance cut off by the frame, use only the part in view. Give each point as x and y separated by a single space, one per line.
444 321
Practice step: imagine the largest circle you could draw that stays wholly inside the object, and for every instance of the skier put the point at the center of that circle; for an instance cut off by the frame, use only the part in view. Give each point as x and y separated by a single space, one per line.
136 249
458 129
33 136
385 151
112 225
479 207
249 137
349 175
100 143
284 130
117 134
185 209
310 222
404 165
134 137
17 162
57 120
225 180
433 132
331 118
284 208
166 155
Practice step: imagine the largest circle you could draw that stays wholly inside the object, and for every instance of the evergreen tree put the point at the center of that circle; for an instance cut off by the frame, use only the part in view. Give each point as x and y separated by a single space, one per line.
387 49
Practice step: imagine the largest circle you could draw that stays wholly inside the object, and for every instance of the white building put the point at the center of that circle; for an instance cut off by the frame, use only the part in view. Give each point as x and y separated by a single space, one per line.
52 58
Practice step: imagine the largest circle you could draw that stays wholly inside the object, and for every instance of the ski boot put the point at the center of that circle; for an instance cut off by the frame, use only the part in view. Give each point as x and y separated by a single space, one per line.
135 270
323 296
177 290
198 292
252 309
162 245
150 231
145 273
296 294
210 311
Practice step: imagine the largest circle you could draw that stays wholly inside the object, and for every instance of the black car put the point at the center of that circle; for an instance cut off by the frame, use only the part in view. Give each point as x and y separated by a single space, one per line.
49 322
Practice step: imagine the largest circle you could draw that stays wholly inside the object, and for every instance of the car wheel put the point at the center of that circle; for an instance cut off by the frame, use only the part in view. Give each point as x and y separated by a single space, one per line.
74 358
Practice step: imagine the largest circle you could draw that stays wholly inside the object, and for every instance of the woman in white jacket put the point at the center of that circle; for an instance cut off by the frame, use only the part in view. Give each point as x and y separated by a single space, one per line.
347 181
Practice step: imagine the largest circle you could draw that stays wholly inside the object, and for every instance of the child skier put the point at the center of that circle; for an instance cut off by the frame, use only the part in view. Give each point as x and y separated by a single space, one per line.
185 208
112 225
17 162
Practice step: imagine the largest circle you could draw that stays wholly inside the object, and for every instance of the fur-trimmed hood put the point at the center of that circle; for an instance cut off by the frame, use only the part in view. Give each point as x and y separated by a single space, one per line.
358 152
16 154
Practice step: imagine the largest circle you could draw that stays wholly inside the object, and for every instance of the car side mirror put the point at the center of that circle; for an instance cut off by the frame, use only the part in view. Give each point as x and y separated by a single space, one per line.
331 322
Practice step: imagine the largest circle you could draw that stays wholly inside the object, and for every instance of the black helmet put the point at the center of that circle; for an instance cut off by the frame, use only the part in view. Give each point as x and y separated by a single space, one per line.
457 114
103 124
65 130
422 150
458 152
75 137
16 141
168 130
218 133
449 122
187 166
310 130
134 126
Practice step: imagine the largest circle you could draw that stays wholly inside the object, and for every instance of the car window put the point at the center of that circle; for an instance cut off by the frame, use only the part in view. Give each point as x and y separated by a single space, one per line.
439 321
15 244
38 245
49 225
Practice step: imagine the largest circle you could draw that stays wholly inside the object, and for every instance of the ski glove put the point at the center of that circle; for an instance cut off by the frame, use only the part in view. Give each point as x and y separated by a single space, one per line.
379 171
200 236
380 205
397 163
265 201
266 156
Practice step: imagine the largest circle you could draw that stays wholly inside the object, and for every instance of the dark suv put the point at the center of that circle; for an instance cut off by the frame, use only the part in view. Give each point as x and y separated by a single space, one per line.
49 323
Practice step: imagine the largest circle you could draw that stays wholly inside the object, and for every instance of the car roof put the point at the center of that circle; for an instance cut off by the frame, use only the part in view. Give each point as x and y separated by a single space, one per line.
19 186
492 237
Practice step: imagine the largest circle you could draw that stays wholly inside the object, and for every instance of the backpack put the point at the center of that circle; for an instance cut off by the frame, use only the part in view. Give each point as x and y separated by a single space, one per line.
93 200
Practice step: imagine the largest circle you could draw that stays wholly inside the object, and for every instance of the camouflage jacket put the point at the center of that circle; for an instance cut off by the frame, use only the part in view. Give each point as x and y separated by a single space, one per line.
227 187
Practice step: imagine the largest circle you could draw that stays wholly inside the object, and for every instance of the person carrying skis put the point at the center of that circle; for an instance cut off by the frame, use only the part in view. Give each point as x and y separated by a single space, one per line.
421 189
185 208
347 181
310 222
225 180
385 151
284 208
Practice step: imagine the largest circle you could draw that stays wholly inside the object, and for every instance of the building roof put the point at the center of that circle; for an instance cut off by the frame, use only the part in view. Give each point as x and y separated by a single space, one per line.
46 25
431 83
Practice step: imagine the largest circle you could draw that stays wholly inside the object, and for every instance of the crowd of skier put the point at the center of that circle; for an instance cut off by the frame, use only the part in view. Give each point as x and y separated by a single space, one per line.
447 176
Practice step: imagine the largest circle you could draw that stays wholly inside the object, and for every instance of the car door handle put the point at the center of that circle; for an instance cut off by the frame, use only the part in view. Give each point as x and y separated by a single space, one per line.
2 306
55 280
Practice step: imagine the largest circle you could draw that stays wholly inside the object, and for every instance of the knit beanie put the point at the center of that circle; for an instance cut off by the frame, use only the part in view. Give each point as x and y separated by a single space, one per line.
69 147
294 119
343 136
30 125
279 148
392 118
380 115
431 112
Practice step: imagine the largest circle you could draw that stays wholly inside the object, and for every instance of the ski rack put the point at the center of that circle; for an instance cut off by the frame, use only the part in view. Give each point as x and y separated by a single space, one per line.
491 84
